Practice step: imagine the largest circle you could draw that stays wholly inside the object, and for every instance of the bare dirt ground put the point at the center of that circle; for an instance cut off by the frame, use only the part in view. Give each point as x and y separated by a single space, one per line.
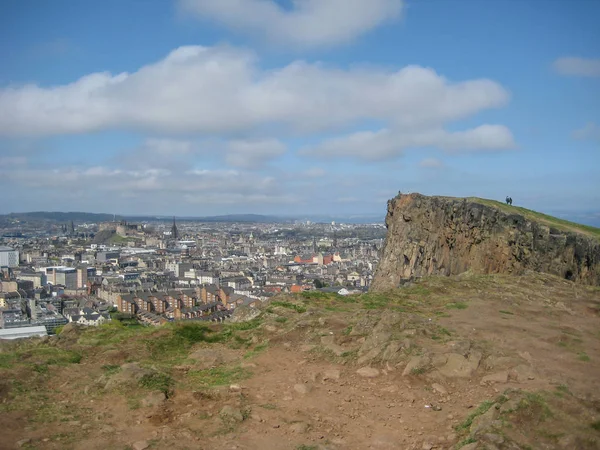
471 362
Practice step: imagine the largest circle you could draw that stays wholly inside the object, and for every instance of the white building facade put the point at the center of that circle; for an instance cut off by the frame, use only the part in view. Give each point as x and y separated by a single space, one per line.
9 257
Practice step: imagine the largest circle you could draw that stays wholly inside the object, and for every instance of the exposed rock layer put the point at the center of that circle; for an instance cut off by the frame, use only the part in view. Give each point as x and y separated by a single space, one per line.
449 236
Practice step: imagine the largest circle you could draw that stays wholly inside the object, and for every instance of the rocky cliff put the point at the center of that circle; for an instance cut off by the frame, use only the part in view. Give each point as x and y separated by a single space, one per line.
448 236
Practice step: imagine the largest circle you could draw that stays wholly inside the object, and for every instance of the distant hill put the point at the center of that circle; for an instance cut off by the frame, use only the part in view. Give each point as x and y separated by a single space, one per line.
62 216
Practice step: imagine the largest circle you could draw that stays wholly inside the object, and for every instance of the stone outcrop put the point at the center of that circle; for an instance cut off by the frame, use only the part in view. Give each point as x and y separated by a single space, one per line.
449 236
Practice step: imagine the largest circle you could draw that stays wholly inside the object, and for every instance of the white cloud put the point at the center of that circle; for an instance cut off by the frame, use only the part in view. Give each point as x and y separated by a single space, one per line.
431 163
314 172
252 154
6 161
348 200
387 143
309 23
222 90
591 131
168 147
575 66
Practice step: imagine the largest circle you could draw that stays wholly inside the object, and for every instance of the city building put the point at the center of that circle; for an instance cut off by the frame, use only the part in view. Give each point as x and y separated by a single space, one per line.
8 257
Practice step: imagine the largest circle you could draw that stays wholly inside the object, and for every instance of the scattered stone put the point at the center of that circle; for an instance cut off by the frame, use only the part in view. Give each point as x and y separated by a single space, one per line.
302 388
331 374
439 388
522 372
22 442
299 427
368 372
427 446
235 388
140 445
229 413
271 328
499 377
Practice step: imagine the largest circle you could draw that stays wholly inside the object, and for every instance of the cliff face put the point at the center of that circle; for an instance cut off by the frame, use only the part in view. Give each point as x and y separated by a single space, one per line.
448 236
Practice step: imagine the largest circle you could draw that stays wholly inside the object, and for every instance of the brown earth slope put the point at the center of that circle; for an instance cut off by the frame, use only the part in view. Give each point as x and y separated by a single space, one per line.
472 362
448 236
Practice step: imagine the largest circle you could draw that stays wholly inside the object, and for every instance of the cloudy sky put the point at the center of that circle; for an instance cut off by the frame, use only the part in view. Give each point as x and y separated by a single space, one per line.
201 107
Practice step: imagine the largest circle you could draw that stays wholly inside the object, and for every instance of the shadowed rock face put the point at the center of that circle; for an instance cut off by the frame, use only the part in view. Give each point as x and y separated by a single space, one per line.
447 236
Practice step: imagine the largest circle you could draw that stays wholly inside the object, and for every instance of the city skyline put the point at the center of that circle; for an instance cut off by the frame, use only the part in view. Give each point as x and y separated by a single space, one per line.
202 107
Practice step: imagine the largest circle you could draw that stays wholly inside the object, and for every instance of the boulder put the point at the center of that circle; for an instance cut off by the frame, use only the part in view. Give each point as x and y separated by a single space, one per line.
498 377
416 365
329 343
457 366
244 314
140 445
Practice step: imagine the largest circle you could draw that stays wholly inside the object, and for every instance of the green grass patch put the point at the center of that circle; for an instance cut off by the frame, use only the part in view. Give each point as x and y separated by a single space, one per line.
563 389
307 447
457 305
298 308
582 356
157 382
7 359
256 350
111 369
555 222
269 406
507 312
219 376
533 407
49 356
318 295
481 409
595 425
281 319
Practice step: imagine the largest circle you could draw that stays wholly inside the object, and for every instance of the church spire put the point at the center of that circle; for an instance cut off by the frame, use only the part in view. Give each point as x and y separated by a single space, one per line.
174 232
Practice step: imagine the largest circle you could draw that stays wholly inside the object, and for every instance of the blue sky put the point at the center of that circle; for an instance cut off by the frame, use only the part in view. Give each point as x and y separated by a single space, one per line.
200 107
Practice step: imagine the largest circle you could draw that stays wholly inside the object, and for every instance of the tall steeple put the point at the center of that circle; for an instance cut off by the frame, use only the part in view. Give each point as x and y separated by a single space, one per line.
174 232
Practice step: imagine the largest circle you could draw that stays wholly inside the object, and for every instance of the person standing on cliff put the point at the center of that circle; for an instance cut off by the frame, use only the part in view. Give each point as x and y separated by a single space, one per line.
507 200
